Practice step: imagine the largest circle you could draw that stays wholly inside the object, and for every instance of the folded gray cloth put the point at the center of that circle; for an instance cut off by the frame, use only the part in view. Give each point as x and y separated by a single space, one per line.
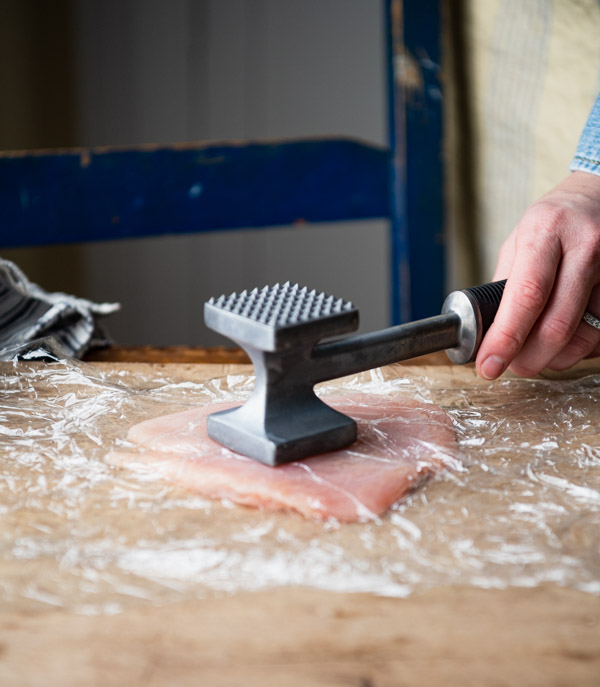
35 324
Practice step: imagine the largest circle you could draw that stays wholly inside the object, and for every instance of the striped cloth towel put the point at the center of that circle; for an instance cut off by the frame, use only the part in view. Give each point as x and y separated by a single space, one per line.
37 325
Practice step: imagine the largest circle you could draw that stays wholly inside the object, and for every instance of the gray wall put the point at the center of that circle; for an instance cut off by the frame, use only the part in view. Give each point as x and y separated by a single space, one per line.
191 70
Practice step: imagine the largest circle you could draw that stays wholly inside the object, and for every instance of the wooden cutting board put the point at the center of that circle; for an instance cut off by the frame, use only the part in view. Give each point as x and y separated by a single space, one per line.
297 637
546 635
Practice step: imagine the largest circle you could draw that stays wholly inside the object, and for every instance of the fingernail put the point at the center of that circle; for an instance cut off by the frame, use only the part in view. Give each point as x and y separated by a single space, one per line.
492 367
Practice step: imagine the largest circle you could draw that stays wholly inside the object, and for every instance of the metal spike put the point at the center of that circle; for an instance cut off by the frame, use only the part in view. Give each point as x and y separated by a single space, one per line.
230 302
239 302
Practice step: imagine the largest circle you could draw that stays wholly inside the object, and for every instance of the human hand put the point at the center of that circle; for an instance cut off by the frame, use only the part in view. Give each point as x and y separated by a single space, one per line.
552 265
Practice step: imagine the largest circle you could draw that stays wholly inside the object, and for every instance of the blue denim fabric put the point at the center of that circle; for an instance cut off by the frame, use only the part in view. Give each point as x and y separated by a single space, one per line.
587 157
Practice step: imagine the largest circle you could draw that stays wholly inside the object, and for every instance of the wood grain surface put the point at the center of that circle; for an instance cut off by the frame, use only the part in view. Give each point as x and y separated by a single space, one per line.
546 636
454 635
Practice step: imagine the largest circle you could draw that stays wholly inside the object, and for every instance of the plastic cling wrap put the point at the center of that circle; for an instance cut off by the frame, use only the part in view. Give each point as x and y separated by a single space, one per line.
516 500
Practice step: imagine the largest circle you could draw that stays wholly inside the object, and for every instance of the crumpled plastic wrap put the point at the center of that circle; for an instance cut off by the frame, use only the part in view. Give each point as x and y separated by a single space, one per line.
517 505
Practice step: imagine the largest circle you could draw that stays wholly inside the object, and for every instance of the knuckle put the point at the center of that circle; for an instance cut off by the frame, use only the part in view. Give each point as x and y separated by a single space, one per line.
531 296
509 341
556 331
590 252
523 370
546 216
578 347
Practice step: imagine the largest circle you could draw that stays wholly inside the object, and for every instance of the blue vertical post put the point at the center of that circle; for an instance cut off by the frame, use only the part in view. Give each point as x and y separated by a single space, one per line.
418 273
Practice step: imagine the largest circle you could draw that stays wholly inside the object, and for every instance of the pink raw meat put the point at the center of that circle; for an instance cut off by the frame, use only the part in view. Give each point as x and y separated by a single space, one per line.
399 442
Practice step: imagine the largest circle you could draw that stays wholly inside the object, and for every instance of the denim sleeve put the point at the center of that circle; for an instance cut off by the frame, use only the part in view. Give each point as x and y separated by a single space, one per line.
587 157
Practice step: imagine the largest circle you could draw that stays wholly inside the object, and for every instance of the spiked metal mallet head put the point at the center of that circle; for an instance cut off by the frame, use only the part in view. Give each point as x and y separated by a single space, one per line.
278 327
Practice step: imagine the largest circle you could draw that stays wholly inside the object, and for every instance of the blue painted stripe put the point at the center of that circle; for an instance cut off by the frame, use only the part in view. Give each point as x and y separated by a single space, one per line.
399 243
424 159
95 194
416 176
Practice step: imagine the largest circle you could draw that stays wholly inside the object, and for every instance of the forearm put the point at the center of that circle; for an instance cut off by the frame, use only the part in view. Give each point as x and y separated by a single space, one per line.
587 157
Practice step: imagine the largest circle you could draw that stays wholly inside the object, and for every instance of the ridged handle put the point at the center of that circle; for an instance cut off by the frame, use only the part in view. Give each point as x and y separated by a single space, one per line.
476 308
487 297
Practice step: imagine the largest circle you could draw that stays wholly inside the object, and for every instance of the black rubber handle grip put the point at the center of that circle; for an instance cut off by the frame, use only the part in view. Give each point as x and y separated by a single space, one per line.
487 297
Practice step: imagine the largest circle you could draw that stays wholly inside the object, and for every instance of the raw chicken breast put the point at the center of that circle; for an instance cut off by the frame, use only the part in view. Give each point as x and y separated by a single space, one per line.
399 442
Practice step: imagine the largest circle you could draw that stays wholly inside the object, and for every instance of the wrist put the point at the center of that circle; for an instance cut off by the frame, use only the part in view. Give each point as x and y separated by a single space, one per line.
585 182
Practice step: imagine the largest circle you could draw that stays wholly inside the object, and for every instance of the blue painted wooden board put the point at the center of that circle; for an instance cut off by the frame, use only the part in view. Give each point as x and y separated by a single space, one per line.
418 269
95 194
